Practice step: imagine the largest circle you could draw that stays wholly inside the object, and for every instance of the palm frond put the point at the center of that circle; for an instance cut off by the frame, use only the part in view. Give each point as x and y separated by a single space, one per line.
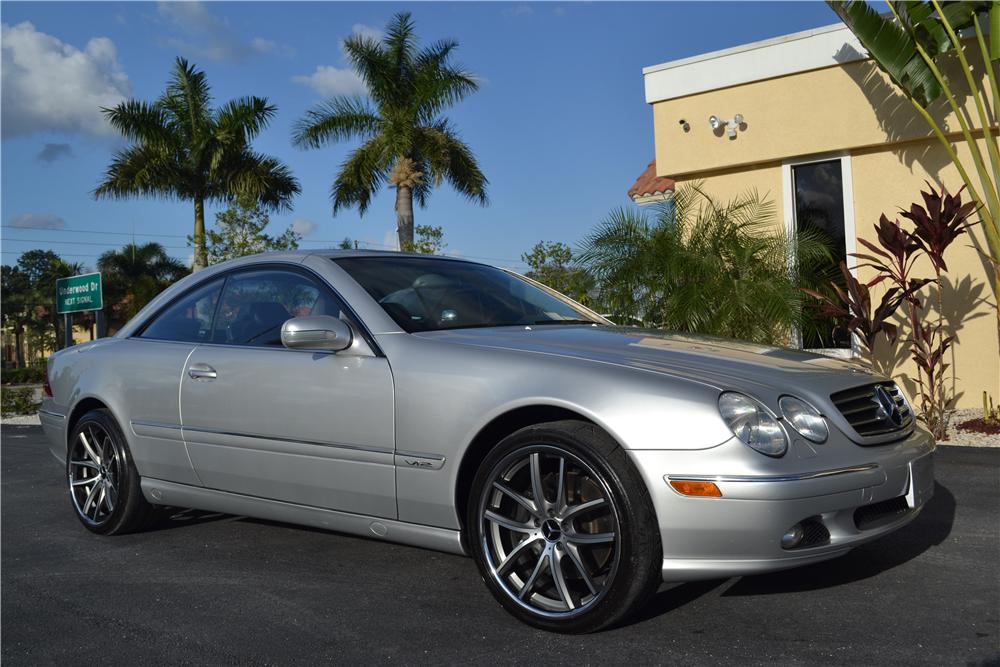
260 178
361 175
699 265
338 119
451 159
136 120
143 170
240 120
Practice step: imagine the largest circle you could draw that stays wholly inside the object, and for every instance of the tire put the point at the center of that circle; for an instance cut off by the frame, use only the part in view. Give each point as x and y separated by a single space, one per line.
103 482
585 559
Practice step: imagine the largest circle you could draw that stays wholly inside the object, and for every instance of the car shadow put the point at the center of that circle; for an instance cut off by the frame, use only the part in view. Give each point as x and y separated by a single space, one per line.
168 518
929 529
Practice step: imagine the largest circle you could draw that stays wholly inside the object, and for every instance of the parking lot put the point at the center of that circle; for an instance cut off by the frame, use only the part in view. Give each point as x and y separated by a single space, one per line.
224 590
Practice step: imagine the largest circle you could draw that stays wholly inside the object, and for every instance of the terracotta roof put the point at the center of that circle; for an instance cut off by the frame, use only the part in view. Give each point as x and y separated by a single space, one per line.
649 187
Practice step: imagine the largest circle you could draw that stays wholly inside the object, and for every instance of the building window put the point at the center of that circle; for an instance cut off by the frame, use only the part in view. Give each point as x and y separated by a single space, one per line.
818 198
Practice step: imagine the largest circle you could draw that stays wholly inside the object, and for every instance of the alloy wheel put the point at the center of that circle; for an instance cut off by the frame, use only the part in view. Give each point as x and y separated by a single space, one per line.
94 471
549 530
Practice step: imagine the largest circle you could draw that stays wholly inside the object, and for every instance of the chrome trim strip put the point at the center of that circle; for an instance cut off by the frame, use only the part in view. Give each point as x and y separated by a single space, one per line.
418 460
49 413
172 427
773 478
359 448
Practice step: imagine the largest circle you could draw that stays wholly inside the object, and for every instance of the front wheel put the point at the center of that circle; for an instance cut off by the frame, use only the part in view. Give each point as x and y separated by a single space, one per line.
563 529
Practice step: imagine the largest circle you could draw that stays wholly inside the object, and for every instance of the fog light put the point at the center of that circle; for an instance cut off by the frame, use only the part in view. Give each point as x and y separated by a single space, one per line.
793 537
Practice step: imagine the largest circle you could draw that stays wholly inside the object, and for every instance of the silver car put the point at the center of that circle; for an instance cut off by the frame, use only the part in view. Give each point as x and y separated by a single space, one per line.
455 406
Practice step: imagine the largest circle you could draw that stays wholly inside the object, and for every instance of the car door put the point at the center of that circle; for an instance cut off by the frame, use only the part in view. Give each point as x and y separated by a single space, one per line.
149 366
312 428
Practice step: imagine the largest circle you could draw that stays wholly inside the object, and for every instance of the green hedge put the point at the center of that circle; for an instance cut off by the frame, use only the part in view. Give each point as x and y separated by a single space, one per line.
18 401
34 374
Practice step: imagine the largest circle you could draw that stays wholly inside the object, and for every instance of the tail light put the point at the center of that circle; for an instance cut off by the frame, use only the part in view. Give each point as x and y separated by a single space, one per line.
46 387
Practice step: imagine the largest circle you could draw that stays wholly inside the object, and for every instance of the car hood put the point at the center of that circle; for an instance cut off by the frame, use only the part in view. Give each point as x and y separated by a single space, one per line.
723 363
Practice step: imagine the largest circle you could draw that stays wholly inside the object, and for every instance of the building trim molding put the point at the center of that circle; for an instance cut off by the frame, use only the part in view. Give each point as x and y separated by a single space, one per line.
789 54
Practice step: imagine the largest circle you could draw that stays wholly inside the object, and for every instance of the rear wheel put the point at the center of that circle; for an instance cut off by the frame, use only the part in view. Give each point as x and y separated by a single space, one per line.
562 528
103 482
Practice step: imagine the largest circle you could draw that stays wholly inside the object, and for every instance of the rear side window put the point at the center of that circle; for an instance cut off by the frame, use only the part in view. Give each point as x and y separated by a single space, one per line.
189 319
256 303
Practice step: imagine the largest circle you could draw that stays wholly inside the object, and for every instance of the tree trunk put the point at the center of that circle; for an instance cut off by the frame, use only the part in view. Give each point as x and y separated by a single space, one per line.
404 217
200 255
19 346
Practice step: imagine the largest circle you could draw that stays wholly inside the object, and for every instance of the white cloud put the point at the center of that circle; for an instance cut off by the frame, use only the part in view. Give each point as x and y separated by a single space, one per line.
367 31
51 85
330 81
303 226
333 80
209 37
37 221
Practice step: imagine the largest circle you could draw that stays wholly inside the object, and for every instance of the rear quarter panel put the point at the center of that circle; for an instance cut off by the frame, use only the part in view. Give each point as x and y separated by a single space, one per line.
138 381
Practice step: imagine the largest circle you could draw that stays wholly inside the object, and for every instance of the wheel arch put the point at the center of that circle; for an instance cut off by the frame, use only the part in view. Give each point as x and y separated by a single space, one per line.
82 407
498 428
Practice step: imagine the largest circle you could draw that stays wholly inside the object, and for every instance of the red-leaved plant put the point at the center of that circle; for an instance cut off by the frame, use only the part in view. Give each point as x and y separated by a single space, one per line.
936 225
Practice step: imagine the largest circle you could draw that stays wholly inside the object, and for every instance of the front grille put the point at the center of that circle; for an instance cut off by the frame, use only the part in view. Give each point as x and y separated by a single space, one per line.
867 415
878 514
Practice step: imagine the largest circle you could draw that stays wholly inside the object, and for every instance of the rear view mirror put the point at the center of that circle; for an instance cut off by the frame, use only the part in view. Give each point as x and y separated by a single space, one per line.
316 332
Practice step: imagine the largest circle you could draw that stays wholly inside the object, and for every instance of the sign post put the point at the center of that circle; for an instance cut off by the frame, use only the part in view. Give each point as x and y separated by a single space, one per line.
78 294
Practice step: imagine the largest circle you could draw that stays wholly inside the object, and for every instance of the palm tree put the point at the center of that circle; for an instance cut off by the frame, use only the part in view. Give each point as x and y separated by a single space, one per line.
405 141
183 149
133 276
702 267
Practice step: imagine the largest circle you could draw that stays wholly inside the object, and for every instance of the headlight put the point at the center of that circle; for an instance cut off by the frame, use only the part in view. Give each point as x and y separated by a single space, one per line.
804 418
753 424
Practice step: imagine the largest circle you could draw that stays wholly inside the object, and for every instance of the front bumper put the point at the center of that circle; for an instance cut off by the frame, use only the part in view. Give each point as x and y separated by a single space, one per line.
740 533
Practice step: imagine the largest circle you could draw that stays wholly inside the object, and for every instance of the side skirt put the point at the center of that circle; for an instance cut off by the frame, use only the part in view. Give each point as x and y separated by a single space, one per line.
162 492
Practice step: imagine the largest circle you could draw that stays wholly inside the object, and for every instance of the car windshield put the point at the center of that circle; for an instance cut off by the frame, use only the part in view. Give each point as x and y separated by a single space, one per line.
428 294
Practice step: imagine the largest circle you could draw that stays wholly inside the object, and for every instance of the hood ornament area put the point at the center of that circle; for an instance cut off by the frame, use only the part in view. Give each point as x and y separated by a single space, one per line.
886 408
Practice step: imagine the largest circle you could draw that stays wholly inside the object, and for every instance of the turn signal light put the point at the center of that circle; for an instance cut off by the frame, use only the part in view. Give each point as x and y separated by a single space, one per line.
708 489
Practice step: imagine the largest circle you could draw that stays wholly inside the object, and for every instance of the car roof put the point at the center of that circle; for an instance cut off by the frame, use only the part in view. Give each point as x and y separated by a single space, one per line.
336 253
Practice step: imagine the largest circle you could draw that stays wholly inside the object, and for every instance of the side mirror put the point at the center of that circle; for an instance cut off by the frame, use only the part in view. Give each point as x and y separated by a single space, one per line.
316 332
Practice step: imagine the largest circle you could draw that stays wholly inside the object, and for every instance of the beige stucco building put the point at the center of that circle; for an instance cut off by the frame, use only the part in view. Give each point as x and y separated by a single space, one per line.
807 119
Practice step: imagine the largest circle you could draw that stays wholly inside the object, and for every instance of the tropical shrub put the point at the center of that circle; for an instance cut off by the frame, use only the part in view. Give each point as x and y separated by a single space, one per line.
33 374
701 266
553 264
936 224
239 231
18 401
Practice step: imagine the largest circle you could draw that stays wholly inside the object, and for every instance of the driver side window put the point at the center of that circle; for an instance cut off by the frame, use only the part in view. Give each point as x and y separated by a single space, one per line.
256 303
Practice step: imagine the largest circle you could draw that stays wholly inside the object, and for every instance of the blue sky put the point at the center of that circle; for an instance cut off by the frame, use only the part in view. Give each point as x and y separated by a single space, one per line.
560 124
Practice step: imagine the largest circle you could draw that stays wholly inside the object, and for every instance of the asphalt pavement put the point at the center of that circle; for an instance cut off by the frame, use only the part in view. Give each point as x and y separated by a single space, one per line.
213 589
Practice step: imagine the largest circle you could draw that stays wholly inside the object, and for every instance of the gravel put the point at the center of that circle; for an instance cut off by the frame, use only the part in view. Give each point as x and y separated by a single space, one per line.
968 438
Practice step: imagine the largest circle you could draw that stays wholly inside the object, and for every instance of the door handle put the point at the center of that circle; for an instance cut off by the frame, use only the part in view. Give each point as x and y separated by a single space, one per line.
202 372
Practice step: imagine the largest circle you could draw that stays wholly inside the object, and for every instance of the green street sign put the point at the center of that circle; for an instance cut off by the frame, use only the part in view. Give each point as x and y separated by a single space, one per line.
79 293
